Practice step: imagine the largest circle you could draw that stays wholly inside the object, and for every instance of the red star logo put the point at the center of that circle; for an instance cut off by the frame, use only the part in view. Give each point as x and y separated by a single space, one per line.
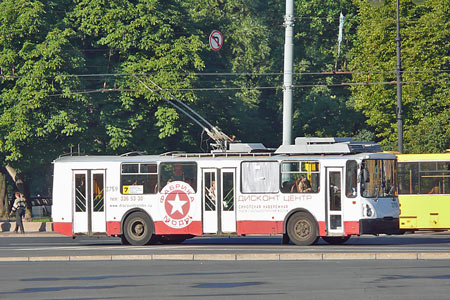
177 204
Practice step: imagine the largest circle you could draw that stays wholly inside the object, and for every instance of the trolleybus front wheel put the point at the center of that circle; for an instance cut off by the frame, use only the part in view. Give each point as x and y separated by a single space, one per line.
302 229
336 240
137 229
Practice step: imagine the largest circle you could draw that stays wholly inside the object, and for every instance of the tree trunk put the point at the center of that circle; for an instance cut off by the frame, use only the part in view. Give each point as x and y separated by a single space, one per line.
4 205
22 188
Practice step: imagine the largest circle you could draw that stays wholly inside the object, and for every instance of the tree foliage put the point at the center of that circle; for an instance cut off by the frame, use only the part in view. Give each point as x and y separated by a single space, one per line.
322 107
69 69
425 33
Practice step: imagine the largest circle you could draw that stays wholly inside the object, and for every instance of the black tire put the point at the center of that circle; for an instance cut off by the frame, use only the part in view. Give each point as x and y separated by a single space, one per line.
285 239
138 229
336 240
124 240
302 229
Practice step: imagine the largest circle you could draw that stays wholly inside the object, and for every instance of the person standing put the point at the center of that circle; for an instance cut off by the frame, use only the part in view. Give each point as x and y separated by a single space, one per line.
19 208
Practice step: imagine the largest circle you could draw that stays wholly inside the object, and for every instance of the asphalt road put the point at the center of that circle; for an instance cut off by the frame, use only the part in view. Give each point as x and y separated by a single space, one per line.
352 279
150 272
46 246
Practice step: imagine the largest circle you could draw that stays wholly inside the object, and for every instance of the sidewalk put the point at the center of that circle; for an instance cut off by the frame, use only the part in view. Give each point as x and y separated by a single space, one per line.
31 229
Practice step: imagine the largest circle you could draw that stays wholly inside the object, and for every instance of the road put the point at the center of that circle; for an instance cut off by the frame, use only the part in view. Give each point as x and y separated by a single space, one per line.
90 275
351 279
95 246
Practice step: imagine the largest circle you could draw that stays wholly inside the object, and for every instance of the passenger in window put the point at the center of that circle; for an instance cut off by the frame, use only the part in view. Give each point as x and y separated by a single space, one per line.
302 185
82 187
351 192
177 172
286 187
436 189
212 191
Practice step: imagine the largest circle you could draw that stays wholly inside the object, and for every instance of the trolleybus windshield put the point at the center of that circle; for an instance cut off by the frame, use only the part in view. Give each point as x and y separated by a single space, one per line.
378 178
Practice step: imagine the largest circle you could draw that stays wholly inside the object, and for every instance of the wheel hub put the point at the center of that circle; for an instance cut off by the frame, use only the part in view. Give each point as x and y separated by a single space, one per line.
303 229
138 229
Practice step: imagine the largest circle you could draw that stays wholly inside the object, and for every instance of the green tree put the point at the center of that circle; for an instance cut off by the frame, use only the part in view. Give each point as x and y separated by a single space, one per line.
4 207
425 31
245 98
321 101
37 110
139 37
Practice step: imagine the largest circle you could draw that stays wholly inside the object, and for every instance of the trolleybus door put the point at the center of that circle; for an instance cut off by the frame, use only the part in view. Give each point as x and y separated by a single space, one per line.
228 211
80 206
335 224
218 200
97 201
209 201
89 204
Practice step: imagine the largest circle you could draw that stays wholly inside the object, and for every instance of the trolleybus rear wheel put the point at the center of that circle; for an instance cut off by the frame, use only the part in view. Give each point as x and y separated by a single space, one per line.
336 240
138 229
302 229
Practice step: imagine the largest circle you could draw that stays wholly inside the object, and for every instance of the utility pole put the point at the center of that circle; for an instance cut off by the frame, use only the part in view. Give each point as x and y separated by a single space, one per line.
399 85
288 70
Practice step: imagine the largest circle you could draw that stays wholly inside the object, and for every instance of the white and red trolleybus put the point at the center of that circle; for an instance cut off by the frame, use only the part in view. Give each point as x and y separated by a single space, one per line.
330 188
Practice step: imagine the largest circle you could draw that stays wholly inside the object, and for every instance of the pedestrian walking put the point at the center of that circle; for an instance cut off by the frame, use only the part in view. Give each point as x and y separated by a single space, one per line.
19 208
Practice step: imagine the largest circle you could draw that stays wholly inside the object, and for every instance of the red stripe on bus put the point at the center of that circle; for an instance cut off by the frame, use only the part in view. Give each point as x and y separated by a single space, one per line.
268 227
63 228
113 227
194 228
259 227
351 227
322 228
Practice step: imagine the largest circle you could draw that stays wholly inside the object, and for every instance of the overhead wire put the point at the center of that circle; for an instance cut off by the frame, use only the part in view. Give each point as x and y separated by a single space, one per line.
336 85
313 73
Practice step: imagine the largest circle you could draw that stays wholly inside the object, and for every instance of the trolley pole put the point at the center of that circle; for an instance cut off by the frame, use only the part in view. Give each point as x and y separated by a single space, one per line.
399 85
288 66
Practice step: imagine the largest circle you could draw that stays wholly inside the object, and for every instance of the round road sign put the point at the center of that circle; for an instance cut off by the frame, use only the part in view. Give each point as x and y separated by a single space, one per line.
215 40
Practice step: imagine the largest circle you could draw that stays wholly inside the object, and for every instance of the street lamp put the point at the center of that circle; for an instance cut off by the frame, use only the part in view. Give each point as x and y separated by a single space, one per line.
398 70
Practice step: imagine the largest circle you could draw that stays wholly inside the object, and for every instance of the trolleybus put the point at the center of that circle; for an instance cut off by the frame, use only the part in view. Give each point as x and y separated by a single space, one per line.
424 191
330 188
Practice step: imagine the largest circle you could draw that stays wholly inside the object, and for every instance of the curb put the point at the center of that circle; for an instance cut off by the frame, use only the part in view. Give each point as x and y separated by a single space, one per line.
239 257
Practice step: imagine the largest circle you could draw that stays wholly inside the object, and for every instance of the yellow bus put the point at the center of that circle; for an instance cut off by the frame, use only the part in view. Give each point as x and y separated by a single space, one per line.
424 191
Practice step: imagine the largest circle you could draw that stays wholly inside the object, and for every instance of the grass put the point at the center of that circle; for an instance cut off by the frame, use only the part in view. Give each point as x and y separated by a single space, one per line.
47 219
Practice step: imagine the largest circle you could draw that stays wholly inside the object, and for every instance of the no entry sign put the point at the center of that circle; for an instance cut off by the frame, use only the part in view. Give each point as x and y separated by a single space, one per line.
215 40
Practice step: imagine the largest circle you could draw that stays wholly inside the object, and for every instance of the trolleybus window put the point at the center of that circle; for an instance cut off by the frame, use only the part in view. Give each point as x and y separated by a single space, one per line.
80 192
378 178
138 178
228 191
351 179
300 177
179 171
210 191
98 187
424 178
260 177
